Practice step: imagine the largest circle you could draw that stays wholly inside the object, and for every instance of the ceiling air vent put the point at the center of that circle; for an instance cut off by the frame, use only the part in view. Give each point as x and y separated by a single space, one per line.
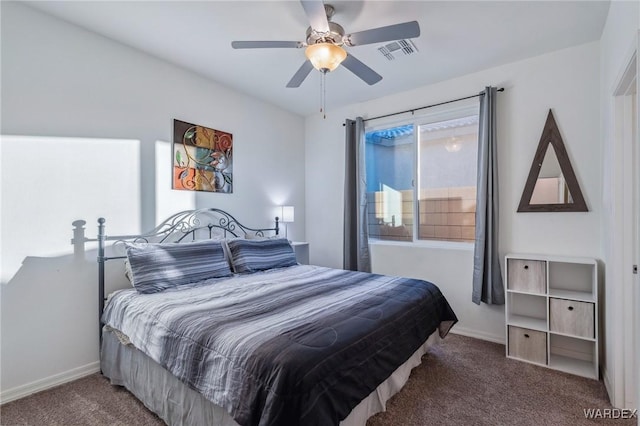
398 48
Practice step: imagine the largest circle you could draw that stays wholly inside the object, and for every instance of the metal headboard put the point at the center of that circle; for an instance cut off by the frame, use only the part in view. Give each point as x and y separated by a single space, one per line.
195 224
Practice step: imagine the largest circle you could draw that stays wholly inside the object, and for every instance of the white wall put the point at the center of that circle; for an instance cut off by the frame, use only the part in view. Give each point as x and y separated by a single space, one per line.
619 37
566 81
87 126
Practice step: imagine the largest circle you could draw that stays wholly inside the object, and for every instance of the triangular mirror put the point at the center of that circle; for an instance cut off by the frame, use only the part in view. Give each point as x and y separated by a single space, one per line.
552 185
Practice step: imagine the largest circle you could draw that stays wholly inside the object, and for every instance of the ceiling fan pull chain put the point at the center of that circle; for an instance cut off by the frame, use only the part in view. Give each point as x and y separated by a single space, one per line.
321 87
323 94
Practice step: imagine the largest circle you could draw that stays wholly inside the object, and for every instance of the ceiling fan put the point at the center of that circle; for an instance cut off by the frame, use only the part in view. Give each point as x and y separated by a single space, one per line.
325 40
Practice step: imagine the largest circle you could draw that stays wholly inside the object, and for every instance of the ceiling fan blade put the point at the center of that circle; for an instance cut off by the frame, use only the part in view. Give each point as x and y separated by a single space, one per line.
368 75
300 75
265 44
379 35
314 10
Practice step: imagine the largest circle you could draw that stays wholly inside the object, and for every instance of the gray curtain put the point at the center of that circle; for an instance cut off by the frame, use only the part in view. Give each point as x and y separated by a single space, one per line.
487 276
356 245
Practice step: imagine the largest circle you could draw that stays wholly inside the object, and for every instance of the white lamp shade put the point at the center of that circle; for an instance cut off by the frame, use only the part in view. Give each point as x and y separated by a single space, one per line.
287 213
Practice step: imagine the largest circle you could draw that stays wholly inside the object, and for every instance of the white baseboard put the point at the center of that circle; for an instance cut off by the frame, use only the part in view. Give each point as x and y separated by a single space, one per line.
48 382
478 334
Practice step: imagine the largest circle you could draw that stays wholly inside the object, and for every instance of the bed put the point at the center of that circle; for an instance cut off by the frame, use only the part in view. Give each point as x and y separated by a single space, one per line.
227 328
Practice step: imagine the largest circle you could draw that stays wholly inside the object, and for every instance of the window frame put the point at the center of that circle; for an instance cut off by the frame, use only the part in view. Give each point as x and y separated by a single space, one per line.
433 115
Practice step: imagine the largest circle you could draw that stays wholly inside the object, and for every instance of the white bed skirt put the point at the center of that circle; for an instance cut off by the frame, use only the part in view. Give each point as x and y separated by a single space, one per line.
177 404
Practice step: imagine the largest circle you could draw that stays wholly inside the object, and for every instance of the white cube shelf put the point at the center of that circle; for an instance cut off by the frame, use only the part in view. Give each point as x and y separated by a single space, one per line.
552 309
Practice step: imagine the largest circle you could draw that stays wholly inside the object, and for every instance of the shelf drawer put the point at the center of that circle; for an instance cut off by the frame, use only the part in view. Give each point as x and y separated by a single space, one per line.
527 275
572 317
528 345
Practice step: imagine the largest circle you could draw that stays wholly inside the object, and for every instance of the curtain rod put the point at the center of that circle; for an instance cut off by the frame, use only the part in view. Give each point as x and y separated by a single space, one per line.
428 106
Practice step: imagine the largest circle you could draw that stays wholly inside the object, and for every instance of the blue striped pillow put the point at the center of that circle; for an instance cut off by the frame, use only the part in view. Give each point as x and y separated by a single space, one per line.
157 267
258 255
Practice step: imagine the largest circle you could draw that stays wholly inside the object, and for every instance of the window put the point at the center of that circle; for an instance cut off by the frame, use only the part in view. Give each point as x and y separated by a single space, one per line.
438 152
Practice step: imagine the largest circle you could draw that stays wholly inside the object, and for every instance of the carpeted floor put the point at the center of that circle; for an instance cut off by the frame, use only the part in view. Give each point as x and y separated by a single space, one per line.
462 381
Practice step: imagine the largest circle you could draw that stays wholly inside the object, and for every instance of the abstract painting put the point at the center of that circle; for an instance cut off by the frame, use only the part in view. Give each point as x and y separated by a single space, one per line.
202 158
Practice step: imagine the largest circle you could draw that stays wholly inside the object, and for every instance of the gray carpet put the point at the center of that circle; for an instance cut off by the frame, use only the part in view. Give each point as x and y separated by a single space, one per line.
462 381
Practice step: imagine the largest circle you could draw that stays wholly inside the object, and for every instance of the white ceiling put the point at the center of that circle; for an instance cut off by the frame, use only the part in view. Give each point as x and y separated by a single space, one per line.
457 38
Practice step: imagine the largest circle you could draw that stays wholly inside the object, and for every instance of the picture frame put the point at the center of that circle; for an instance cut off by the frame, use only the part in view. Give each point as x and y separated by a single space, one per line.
202 158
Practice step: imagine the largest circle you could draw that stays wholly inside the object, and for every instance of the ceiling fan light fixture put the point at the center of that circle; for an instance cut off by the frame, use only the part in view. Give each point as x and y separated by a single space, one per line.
325 56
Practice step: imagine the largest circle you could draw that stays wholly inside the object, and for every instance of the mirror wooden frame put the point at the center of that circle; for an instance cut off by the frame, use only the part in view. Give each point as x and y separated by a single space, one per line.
551 135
